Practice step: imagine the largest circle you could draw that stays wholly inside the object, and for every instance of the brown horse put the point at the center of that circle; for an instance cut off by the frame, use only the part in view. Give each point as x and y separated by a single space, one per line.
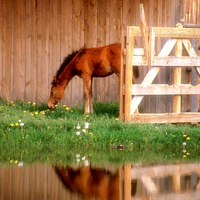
86 63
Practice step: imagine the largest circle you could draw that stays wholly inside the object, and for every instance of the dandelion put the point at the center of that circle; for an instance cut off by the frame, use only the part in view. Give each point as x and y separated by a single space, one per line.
184 135
64 106
83 158
12 125
117 119
78 133
16 124
36 113
34 104
90 133
78 127
184 143
20 164
86 125
16 161
184 151
184 156
188 138
21 124
78 160
42 112
11 161
83 130
67 108
187 154
24 111
20 120
77 155
29 102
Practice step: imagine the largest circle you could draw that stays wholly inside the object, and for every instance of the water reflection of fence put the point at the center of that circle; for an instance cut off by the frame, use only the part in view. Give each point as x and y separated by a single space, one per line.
149 178
40 182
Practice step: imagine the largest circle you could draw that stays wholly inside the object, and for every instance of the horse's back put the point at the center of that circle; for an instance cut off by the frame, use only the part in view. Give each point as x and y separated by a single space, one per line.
100 61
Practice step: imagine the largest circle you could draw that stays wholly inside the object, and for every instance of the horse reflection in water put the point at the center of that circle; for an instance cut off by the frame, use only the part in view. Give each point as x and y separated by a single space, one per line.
90 182
87 63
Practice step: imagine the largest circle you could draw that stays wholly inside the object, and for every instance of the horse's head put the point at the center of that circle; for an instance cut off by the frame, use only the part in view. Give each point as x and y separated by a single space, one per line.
57 93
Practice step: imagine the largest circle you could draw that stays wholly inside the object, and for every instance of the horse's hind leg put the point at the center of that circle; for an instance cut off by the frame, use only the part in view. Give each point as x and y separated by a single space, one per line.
87 82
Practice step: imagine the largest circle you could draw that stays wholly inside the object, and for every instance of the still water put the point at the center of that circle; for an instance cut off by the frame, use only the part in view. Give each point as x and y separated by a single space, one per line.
91 181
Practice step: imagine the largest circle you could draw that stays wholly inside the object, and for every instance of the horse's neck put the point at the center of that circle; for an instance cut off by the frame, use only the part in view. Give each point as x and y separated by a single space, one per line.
66 76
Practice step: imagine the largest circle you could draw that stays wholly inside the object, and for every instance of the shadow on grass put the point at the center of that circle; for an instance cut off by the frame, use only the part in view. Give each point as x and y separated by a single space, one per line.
109 108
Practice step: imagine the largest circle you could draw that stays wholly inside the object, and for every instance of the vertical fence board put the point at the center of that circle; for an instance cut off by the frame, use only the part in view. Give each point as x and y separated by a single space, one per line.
18 48
7 49
1 47
43 50
31 51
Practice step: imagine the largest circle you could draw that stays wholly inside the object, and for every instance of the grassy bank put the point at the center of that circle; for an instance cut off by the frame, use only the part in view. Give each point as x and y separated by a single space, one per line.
31 129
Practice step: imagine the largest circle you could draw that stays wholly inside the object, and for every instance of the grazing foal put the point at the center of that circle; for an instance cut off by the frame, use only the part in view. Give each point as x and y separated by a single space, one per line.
86 63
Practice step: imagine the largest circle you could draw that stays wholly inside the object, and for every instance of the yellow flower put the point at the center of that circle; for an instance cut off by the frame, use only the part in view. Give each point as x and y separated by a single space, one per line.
42 112
188 154
67 108
11 161
184 135
64 106
116 119
11 124
16 161
16 124
188 138
34 104
29 102
90 133
184 156
24 111
36 113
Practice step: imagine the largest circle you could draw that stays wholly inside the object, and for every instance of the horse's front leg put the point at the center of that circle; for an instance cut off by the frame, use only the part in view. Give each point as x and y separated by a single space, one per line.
87 83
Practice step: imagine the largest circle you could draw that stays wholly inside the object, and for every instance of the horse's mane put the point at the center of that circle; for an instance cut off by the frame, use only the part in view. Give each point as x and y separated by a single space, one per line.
65 62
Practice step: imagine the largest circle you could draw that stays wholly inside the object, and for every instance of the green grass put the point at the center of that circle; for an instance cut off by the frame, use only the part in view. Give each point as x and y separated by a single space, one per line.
31 132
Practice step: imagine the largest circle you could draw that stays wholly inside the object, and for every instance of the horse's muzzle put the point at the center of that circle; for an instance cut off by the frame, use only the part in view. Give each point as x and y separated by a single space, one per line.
50 105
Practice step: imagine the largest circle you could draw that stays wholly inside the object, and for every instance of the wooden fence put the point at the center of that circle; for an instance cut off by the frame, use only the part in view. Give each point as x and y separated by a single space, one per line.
178 37
36 35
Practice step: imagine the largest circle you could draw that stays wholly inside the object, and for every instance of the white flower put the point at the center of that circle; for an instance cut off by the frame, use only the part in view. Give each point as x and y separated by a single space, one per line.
78 155
20 120
78 127
83 130
21 124
20 164
86 125
77 160
83 158
78 133
184 151
184 143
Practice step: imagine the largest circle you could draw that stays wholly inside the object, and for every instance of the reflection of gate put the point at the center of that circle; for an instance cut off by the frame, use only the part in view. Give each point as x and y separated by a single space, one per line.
150 175
178 37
